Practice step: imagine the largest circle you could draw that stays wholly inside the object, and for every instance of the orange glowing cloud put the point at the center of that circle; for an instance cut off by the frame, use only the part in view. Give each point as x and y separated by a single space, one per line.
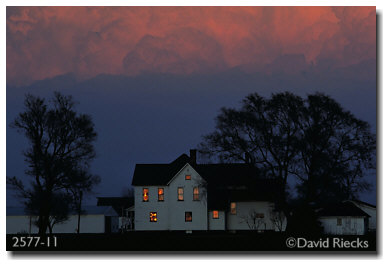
43 42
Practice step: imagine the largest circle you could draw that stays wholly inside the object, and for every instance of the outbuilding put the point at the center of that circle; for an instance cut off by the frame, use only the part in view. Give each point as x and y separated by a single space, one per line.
370 209
343 218
94 219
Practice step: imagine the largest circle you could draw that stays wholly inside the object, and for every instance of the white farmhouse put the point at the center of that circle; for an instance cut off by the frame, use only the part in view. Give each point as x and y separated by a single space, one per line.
95 219
343 218
184 195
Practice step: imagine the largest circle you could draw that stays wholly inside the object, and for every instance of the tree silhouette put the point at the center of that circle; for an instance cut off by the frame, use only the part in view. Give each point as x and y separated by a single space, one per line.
59 156
314 140
267 131
336 150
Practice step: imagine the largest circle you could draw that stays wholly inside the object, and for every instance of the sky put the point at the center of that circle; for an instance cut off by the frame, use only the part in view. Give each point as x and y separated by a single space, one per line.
154 78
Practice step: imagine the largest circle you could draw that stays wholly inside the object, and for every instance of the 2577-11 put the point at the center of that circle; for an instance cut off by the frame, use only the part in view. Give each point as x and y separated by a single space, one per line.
34 241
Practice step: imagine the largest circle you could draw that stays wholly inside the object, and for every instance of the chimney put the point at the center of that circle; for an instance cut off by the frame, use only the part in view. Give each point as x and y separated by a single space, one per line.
193 156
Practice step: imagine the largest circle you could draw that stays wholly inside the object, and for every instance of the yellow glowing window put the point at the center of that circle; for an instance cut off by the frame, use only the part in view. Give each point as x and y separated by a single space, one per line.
233 208
153 216
180 194
188 216
145 195
188 177
196 194
160 194
215 214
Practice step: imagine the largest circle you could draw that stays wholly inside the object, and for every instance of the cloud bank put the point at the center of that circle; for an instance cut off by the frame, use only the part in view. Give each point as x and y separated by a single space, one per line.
43 42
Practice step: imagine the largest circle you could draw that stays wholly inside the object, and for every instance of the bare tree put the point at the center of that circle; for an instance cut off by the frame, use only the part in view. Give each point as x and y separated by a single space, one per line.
254 220
278 219
60 152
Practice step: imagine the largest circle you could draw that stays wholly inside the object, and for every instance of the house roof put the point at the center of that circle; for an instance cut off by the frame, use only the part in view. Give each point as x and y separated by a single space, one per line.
87 210
161 174
346 208
157 174
364 203
236 174
226 183
220 197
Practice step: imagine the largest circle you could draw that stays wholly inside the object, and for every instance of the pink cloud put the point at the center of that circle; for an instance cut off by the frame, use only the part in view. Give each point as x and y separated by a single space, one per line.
46 41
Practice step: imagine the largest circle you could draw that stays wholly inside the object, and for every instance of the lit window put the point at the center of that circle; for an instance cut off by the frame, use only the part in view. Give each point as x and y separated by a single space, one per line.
233 208
160 194
188 216
339 221
153 216
215 214
180 194
145 195
188 177
196 194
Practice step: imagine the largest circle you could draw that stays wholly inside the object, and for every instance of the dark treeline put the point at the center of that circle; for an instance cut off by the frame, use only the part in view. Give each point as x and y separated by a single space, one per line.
313 140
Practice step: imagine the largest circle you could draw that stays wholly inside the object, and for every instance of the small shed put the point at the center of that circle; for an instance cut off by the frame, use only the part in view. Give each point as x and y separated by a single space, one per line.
370 209
343 218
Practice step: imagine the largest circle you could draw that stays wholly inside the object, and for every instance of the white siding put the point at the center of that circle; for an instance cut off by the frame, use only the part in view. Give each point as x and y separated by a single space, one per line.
349 225
217 224
88 224
171 212
143 209
20 224
239 221
371 211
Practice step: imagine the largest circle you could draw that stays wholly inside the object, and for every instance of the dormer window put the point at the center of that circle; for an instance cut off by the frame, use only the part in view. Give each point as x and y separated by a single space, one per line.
145 194
188 177
180 194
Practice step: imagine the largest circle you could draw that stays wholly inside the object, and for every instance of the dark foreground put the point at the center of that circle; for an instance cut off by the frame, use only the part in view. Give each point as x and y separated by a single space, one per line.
198 241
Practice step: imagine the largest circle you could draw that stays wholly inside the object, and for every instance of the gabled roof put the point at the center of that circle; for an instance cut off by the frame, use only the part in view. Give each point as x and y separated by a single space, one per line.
161 174
346 208
226 183
157 174
363 203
